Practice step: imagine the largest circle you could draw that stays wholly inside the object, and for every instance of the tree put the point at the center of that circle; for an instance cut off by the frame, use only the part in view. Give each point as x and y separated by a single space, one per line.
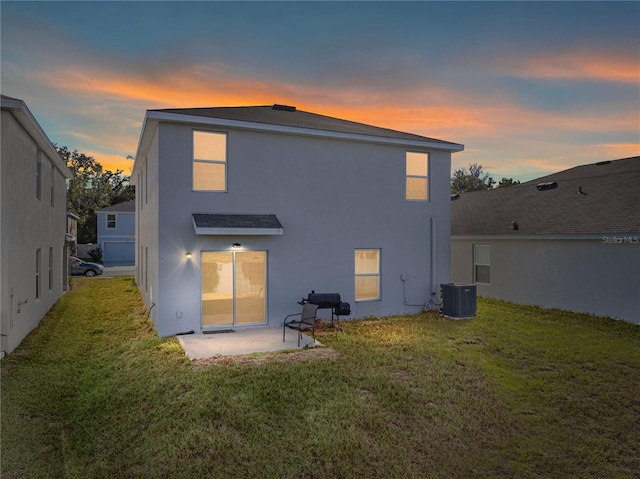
91 188
504 182
473 179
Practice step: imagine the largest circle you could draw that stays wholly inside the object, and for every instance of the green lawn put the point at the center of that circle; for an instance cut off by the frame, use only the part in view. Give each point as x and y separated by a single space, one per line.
516 392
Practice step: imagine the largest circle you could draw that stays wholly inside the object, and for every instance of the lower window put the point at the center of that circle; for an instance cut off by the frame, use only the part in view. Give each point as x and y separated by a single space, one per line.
367 274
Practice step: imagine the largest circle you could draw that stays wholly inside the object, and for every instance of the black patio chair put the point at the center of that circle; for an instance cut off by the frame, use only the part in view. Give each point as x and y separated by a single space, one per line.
307 319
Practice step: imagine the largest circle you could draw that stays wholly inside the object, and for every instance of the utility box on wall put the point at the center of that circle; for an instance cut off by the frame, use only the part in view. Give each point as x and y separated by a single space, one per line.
459 300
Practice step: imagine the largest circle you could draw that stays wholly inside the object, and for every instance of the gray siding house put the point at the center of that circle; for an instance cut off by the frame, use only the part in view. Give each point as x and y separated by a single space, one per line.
242 211
570 240
116 233
33 251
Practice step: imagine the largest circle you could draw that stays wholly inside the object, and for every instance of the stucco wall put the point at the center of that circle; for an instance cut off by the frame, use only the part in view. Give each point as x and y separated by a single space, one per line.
331 196
147 204
587 275
28 224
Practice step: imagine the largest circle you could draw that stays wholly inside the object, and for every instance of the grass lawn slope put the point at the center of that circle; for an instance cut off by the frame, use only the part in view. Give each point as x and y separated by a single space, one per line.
517 392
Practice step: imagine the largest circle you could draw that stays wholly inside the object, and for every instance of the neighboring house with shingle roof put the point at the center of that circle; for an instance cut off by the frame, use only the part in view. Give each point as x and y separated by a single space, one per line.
33 252
570 240
116 233
241 211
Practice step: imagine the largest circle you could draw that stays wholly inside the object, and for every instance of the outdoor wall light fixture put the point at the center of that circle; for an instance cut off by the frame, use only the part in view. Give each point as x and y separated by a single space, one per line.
188 255
236 245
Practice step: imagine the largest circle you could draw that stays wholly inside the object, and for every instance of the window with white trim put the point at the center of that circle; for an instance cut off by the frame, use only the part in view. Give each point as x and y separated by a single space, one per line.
417 165
146 183
209 161
111 220
482 264
367 274
141 184
50 268
38 268
146 269
53 185
39 175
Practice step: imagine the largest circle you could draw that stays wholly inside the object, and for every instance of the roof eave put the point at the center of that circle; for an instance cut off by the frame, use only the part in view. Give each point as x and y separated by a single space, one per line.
144 142
199 230
21 112
154 116
634 237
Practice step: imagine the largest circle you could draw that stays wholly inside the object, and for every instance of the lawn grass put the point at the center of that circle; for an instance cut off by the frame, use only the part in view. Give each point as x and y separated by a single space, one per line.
516 392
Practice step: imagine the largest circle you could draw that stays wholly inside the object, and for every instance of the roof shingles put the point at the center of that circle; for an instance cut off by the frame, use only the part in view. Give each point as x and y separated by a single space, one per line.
299 119
609 204
126 207
211 220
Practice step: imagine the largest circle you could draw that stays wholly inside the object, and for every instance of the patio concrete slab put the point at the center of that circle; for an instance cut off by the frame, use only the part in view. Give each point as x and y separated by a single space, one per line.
241 341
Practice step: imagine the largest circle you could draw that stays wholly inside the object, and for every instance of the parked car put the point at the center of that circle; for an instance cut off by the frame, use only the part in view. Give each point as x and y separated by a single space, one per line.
83 268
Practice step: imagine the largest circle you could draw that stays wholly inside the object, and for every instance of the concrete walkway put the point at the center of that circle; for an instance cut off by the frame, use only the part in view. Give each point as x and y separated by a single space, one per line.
111 271
241 341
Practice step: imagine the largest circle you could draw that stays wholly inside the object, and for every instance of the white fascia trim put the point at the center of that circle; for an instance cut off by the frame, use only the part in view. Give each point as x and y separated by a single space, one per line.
574 237
147 133
239 231
175 117
24 116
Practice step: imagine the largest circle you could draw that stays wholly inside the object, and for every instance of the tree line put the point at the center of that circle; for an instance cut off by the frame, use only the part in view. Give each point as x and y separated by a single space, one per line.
92 188
475 178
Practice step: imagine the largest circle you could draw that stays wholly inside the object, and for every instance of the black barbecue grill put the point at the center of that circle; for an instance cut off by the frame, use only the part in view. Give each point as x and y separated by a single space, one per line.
328 301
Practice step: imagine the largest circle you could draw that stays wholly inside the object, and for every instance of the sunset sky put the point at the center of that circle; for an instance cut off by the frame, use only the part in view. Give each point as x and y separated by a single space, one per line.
529 88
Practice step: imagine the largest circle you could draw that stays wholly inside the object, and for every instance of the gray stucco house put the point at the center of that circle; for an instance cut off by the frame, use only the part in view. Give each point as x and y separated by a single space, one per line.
570 240
33 251
116 233
242 211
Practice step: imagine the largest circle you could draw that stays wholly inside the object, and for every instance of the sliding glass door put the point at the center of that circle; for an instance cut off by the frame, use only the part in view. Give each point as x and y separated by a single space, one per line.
234 287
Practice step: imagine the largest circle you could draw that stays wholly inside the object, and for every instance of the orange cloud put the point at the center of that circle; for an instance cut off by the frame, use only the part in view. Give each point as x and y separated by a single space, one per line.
578 66
428 111
112 162
496 123
617 150
210 86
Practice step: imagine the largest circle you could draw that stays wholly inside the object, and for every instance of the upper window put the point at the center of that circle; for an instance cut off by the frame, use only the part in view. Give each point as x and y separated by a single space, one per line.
146 183
53 185
141 184
39 176
367 277
417 176
209 161
481 263
111 220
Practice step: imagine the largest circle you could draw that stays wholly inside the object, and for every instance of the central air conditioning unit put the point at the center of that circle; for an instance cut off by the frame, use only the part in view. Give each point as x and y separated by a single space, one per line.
459 300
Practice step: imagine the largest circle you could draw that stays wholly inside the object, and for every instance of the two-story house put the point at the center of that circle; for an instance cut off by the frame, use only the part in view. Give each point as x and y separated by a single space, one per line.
33 252
116 233
242 211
